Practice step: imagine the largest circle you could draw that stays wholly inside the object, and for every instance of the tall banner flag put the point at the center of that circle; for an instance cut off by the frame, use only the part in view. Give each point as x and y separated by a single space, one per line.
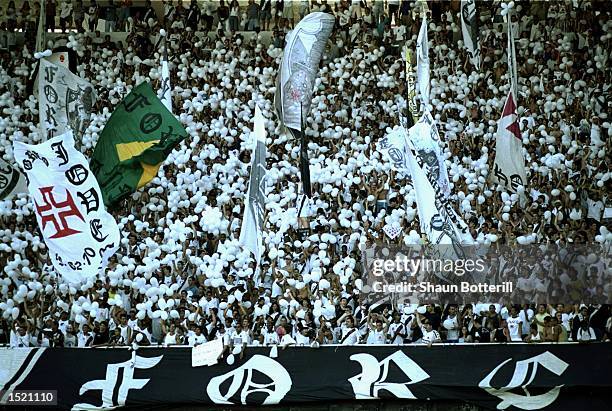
295 82
411 104
165 91
509 166
437 219
78 231
136 140
469 28
422 50
65 100
299 67
11 181
424 140
251 232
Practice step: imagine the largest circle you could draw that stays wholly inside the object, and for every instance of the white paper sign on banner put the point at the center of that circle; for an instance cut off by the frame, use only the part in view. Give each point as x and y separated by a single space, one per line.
207 353
78 231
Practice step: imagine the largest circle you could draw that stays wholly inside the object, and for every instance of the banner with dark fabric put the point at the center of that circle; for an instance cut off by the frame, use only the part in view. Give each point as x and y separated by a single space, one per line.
512 377
304 163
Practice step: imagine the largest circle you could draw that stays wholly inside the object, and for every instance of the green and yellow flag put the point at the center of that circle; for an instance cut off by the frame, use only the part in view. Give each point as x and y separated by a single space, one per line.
137 139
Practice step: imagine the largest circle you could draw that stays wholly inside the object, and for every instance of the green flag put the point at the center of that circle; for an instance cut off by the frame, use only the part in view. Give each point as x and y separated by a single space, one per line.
137 139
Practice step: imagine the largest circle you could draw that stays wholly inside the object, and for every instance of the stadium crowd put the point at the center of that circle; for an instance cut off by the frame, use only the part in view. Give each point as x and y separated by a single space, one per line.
181 276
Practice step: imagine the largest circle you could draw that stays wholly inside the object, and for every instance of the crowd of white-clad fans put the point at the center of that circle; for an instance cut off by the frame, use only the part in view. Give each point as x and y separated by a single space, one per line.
181 276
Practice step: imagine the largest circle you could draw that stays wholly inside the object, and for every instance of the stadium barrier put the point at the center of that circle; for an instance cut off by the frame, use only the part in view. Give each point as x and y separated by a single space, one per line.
508 376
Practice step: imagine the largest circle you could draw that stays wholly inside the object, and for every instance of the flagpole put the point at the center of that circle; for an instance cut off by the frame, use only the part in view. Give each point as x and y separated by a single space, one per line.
40 34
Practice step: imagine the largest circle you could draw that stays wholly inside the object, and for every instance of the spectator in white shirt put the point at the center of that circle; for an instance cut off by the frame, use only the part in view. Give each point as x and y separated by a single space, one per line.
286 338
534 334
84 337
70 339
21 338
397 330
302 338
269 334
586 333
515 325
350 335
197 338
377 331
430 335
451 323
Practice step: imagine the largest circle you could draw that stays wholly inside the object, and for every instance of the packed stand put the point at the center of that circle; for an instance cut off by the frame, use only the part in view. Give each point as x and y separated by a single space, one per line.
181 276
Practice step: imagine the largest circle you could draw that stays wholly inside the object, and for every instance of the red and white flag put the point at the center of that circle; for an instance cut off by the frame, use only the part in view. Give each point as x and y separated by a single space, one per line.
509 168
78 231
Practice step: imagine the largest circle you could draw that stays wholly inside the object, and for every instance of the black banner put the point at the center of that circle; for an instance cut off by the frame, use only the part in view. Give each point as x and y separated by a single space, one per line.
511 377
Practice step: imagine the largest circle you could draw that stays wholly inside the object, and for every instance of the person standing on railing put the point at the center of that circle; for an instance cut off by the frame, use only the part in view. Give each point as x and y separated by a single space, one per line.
266 14
78 13
252 16
234 16
124 14
92 15
193 16
50 12
65 15
11 16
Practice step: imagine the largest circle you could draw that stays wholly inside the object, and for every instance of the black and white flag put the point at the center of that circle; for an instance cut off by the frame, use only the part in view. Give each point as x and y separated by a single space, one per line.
469 28
294 85
251 232
299 67
11 181
65 101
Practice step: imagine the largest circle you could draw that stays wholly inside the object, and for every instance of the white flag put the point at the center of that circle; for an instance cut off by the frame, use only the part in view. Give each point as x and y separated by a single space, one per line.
11 181
509 168
251 232
65 100
437 219
165 91
423 62
78 231
425 142
304 47
469 28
